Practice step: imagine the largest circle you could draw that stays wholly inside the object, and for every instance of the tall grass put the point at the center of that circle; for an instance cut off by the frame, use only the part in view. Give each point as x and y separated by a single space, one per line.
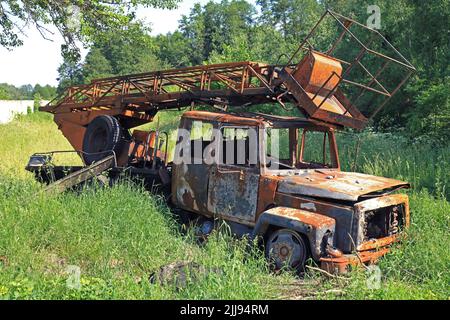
425 164
26 135
118 236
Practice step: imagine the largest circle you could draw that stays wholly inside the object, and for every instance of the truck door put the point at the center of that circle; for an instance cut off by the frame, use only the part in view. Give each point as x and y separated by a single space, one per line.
190 172
233 182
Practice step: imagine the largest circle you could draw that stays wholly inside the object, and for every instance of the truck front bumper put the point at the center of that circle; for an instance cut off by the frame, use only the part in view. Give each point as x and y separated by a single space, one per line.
367 253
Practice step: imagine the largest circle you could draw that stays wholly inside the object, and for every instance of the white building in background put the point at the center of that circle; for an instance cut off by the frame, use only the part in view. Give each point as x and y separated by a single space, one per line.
9 108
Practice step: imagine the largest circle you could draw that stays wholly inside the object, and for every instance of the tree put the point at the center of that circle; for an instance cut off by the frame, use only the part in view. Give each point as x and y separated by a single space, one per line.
193 29
172 49
125 51
75 20
4 95
430 114
10 92
129 50
49 92
46 92
209 29
26 92
70 73
96 65
294 18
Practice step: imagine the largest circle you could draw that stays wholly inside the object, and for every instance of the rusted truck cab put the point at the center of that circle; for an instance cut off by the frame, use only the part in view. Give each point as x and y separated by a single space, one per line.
278 179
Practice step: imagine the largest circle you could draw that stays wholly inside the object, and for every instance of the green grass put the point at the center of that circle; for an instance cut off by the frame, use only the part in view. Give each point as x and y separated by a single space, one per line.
23 137
118 236
425 165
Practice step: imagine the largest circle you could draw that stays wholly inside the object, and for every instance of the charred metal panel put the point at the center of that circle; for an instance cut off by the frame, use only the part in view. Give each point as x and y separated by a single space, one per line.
333 184
318 228
190 182
266 195
344 216
233 193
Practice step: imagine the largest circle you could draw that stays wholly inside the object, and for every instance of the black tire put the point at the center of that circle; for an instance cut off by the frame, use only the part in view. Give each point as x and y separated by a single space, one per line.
285 248
102 135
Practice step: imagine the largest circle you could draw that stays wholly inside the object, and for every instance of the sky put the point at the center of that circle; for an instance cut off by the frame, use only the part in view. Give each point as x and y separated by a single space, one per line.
38 59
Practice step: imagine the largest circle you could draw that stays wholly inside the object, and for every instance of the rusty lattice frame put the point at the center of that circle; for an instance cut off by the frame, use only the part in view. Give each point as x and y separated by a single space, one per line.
374 85
136 98
227 83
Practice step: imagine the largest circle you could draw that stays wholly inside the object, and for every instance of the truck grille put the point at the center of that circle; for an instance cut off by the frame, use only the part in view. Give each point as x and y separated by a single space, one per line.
383 222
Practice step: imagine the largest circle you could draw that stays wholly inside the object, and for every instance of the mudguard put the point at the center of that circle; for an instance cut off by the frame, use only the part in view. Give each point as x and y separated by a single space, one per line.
318 228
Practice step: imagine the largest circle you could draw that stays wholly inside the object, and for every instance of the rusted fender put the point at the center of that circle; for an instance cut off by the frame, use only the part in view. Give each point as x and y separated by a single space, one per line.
318 228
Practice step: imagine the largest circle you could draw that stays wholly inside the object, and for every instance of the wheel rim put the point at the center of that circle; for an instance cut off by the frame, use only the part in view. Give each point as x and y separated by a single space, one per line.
285 248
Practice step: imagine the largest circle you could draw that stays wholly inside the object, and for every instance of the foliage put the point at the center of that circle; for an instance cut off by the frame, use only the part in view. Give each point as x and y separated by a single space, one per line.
4 95
172 49
129 50
208 28
294 18
430 115
234 30
70 73
421 162
26 92
76 20
126 51
46 92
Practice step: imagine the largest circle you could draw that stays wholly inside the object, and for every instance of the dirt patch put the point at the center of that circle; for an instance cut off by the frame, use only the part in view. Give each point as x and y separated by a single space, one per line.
4 262
180 273
53 264
306 289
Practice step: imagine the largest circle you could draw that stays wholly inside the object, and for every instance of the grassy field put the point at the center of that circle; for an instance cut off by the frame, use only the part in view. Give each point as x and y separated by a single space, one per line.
119 236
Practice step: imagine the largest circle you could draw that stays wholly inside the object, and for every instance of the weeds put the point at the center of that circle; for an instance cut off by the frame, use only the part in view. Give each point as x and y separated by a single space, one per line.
119 236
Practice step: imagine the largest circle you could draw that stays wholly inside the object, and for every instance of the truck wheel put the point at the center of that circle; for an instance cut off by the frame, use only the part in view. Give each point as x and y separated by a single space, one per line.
103 134
286 248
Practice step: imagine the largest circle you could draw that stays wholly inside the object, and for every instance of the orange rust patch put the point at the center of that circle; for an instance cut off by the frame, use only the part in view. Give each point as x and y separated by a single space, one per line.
266 193
377 243
313 219
340 265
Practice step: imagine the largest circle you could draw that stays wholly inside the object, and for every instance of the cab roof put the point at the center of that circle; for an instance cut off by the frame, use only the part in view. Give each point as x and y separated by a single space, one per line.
256 119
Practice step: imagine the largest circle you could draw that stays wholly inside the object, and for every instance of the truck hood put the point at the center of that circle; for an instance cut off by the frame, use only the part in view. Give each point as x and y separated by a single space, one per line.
331 184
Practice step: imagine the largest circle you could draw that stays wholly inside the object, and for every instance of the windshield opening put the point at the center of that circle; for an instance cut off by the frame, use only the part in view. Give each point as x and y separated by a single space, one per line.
299 148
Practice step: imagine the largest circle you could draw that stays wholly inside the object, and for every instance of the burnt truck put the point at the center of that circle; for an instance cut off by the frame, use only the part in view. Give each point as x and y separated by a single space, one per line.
301 204
275 178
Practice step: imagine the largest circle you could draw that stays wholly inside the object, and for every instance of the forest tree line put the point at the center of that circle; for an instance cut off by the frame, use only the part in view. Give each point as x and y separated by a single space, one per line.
26 92
271 30
235 30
